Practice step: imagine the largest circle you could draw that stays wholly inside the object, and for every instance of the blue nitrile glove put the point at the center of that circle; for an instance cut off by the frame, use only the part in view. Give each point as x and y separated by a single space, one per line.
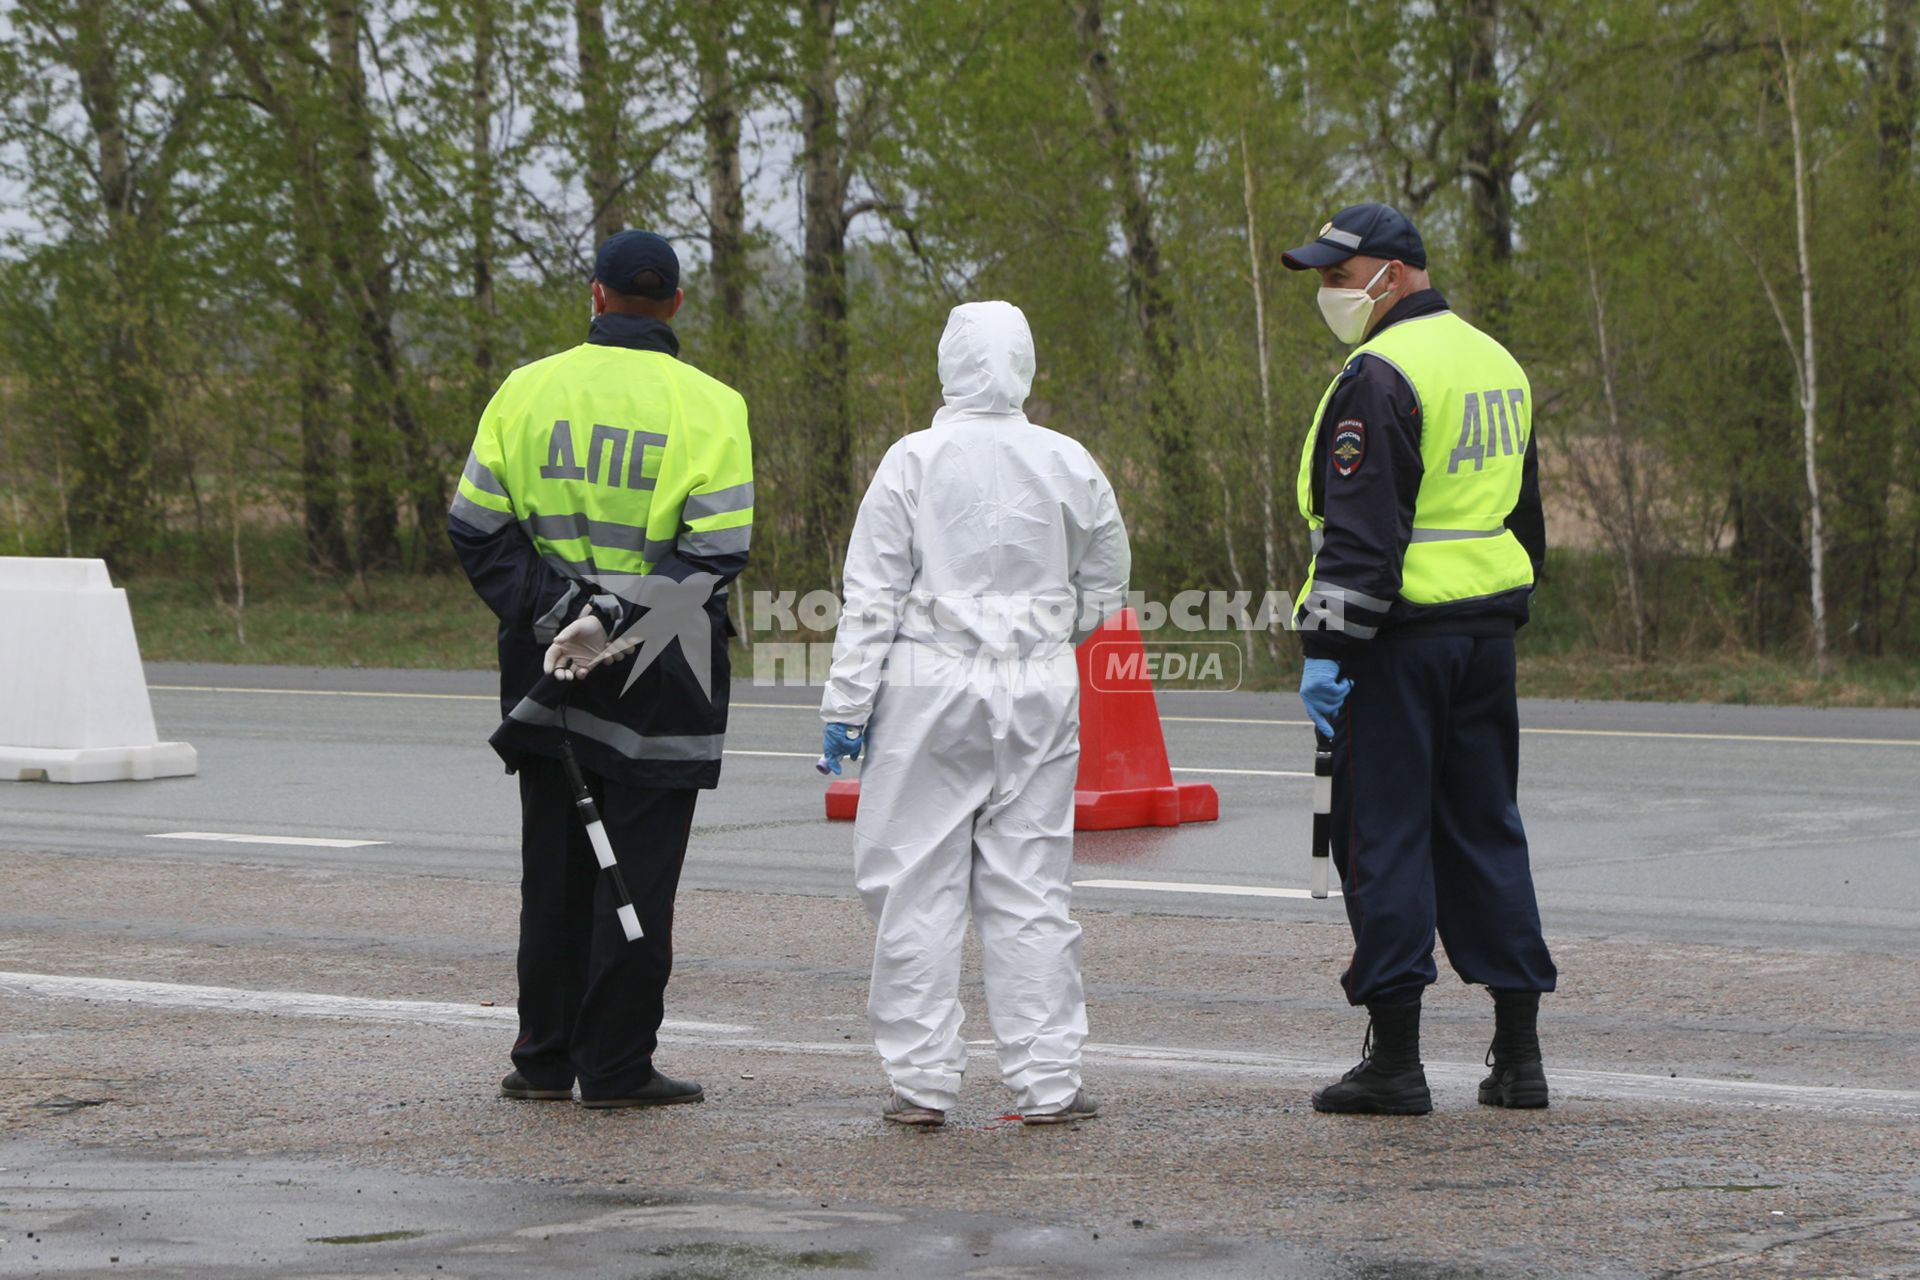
1322 689
841 742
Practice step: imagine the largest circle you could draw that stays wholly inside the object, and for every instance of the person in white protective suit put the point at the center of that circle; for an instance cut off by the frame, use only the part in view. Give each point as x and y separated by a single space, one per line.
985 549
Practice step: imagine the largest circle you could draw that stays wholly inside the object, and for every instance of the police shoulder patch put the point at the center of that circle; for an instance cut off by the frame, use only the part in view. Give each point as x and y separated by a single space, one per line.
1349 445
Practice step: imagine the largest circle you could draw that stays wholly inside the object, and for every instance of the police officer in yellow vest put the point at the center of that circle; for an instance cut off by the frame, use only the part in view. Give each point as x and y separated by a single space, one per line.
1420 489
606 505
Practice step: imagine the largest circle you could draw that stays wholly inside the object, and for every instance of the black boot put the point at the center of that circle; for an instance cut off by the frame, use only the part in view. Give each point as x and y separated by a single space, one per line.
1389 1080
1518 1079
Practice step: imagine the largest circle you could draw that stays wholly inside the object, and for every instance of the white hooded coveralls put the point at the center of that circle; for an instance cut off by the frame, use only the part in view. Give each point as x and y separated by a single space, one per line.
985 548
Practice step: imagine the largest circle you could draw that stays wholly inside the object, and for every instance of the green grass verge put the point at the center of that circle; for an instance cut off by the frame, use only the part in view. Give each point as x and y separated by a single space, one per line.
396 621
1736 678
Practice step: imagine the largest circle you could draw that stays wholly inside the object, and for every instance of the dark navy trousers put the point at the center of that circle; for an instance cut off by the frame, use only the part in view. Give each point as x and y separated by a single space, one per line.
590 1001
1426 829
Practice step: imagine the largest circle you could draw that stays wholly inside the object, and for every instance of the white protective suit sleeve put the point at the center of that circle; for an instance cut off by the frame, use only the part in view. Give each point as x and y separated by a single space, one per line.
876 579
1100 578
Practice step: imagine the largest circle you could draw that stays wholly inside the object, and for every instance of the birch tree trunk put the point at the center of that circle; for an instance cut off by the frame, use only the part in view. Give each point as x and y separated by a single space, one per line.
388 445
600 117
1618 506
483 196
726 193
1187 506
824 265
1895 163
1263 454
113 501
1489 167
1809 370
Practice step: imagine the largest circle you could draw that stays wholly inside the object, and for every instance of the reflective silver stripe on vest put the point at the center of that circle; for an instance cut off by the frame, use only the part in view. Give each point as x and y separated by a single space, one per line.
717 542
1334 591
628 586
634 746
1316 538
482 478
485 519
602 533
717 503
1454 535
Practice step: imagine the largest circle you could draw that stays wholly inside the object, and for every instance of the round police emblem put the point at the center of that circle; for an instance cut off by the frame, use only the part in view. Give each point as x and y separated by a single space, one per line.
1349 445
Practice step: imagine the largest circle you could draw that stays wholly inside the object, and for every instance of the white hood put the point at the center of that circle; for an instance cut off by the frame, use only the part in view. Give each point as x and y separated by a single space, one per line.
986 359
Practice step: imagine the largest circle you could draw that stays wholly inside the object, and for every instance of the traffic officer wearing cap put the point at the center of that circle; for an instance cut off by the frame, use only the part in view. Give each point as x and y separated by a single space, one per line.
606 505
1420 489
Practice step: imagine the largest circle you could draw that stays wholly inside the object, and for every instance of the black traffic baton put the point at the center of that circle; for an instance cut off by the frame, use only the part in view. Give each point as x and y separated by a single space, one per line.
597 835
1322 812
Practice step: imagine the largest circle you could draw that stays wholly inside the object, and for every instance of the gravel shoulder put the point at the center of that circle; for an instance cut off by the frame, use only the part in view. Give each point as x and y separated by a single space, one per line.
1204 1152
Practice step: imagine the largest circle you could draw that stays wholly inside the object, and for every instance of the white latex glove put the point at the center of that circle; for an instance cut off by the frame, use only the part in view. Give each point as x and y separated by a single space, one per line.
577 649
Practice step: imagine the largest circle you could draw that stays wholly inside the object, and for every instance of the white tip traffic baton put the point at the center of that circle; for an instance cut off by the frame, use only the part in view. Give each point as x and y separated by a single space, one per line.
1322 812
602 847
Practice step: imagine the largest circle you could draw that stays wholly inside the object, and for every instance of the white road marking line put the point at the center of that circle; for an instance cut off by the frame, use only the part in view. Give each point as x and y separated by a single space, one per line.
1603 733
174 995
1248 773
232 837
1246 720
1729 737
327 693
1611 1085
1185 886
1456 1076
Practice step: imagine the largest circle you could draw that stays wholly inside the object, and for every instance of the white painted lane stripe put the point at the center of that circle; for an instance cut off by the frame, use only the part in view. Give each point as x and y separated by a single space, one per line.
1602 733
326 693
1247 773
234 837
1246 720
1727 737
1612 1085
1184 886
174 995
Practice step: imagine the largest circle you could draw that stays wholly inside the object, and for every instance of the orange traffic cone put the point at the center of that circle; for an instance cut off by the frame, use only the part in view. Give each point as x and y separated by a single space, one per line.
1124 778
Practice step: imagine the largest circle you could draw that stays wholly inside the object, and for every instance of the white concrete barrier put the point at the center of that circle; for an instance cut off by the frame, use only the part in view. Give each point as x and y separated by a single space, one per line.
73 696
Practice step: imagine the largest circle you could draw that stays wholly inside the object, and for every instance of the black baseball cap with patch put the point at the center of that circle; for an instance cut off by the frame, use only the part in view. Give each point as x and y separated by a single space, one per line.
1370 230
627 254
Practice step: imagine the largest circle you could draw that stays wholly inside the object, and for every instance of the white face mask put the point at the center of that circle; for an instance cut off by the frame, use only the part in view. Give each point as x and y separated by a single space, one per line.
1348 310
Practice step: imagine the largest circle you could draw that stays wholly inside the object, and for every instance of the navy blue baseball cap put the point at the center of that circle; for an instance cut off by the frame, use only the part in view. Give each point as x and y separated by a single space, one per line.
626 254
1373 230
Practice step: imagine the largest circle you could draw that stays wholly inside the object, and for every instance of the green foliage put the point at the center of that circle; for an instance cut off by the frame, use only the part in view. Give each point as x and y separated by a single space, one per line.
265 263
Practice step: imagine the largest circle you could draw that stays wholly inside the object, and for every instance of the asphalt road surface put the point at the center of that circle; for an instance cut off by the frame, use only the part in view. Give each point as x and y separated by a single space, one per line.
252 1020
1674 822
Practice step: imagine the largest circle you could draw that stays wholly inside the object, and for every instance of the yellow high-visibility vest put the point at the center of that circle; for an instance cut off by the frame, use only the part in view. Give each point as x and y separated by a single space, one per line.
1476 416
610 458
